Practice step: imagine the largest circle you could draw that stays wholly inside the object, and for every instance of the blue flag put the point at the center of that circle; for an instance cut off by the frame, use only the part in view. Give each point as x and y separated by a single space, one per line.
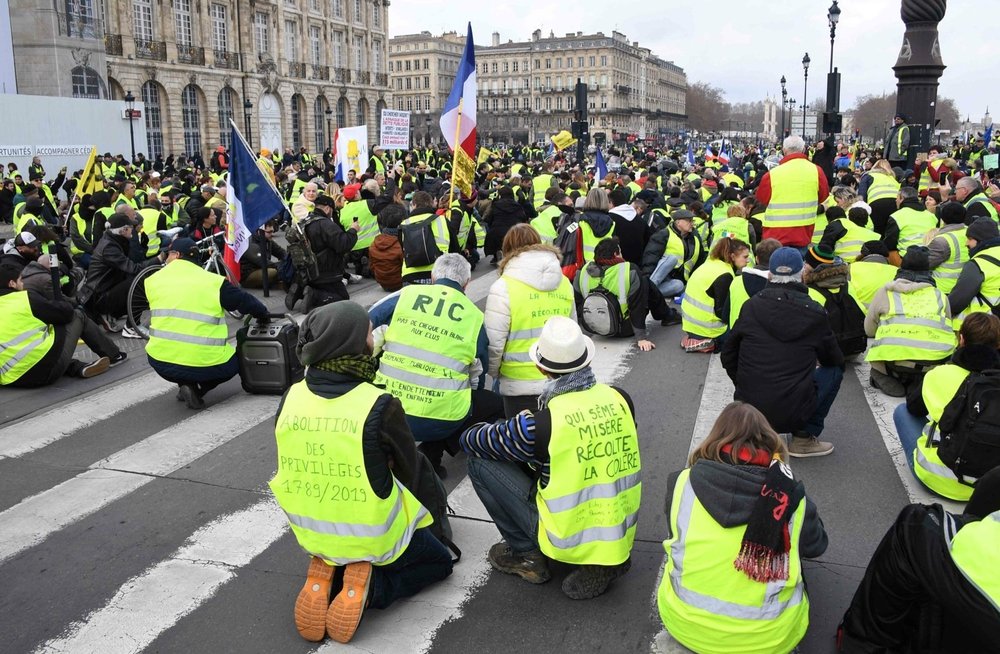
253 200
690 157
988 136
602 166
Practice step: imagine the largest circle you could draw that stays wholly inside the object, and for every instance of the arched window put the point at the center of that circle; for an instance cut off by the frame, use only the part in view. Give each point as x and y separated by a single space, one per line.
154 126
191 118
319 124
343 108
362 117
86 83
227 101
296 122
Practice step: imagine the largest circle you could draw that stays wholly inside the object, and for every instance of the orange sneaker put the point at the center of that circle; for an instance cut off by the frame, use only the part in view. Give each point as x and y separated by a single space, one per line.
344 616
314 600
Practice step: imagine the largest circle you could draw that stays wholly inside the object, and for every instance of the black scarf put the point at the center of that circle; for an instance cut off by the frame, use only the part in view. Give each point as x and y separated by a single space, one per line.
763 555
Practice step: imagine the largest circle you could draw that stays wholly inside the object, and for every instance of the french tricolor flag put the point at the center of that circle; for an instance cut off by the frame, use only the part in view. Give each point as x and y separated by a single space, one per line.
458 121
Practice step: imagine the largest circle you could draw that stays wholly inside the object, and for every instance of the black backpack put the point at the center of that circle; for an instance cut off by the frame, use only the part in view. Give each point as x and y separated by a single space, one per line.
846 319
970 427
602 313
420 248
300 251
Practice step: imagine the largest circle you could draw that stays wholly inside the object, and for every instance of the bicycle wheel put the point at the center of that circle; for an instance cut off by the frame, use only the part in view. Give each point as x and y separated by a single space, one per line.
218 266
137 314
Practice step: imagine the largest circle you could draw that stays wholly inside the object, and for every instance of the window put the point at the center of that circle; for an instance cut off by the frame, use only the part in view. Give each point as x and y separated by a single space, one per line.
559 62
191 118
182 21
291 40
409 83
220 28
579 62
604 60
592 61
548 63
569 62
486 68
296 122
377 56
227 100
319 124
362 112
427 64
338 49
142 19
86 83
524 104
506 67
515 66
376 16
359 52
359 13
81 18
315 45
427 81
409 65
338 9
427 103
154 129
343 108
261 32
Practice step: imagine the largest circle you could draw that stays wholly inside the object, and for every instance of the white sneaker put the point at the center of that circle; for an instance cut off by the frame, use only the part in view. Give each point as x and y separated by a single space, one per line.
354 279
138 332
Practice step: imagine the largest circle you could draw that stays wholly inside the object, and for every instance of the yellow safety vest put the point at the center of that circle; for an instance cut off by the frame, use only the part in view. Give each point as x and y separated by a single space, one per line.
941 384
530 309
150 217
439 227
914 329
322 484
883 187
698 308
794 189
869 276
366 220
543 223
708 605
973 551
23 219
468 224
675 246
926 182
588 512
590 240
948 271
132 202
81 229
848 247
738 296
187 323
985 201
430 346
913 226
24 339
990 288
617 280
539 186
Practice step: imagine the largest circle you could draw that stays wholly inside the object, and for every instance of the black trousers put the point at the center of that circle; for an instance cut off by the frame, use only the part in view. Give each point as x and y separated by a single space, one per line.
59 362
914 599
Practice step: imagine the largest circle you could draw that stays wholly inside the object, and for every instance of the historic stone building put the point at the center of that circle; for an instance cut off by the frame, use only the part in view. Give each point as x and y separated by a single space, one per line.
290 70
422 70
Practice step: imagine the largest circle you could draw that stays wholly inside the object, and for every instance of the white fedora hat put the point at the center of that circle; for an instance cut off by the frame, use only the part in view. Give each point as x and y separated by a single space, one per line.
562 347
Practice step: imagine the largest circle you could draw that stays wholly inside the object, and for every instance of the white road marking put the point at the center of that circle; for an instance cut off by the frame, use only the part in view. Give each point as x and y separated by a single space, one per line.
35 518
35 432
715 396
150 603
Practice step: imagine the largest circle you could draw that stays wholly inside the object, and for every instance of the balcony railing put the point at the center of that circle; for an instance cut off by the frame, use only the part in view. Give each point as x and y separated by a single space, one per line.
113 44
155 50
342 75
381 79
296 69
79 25
364 77
320 72
227 60
190 54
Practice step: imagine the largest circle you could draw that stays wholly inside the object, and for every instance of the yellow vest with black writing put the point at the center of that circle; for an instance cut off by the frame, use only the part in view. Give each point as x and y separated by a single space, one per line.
708 605
948 271
187 325
883 187
150 218
794 193
915 328
430 346
588 511
322 484
940 386
543 223
24 339
617 280
698 308
360 211
869 276
439 228
530 309
913 226
848 246
973 551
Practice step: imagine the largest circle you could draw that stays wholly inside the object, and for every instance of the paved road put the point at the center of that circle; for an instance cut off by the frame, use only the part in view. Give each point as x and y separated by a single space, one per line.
129 523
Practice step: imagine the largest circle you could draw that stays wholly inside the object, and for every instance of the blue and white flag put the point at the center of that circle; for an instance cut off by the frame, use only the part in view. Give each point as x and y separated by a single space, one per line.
602 166
690 157
253 200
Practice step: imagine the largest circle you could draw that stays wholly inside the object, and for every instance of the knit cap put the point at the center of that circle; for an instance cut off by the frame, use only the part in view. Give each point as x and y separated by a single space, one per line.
816 256
332 331
983 229
917 258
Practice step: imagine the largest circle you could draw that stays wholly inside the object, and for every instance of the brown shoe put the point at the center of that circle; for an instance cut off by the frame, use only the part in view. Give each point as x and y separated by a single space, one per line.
345 612
314 600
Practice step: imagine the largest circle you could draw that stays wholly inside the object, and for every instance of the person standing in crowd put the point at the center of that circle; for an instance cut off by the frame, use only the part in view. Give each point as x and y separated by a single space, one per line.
879 187
772 355
369 436
897 142
631 230
791 193
564 507
504 213
531 289
739 525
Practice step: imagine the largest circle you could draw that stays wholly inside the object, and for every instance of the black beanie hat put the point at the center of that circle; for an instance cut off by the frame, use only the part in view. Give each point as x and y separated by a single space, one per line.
983 229
874 247
917 258
951 213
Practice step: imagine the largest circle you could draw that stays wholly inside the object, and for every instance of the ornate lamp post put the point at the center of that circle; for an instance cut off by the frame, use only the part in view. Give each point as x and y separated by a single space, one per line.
784 101
247 111
805 90
129 104
918 69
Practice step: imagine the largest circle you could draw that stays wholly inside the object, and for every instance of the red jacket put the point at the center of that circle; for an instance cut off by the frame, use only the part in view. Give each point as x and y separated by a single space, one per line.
791 236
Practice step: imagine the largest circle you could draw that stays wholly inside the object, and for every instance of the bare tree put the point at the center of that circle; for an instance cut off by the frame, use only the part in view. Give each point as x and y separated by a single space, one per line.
707 108
873 114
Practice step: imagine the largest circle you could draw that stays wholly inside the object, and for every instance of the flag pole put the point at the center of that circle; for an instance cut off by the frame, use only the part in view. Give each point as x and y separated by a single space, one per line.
82 180
250 150
454 159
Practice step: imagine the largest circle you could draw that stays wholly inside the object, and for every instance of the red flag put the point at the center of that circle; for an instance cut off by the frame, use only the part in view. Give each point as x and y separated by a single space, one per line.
229 255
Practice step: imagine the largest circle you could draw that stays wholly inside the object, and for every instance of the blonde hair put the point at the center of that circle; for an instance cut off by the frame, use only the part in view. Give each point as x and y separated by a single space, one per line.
883 166
742 427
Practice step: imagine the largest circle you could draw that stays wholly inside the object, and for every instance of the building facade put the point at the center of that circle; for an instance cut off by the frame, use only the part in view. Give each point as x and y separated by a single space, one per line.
288 72
526 88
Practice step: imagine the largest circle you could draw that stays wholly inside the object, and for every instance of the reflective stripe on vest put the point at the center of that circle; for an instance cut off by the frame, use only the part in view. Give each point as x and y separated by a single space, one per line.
675 247
794 192
738 296
973 551
539 185
367 221
588 511
187 324
883 187
914 329
913 226
590 240
26 338
616 279
940 386
150 218
948 271
980 198
990 288
697 307
323 487
708 605
849 246
530 309
430 346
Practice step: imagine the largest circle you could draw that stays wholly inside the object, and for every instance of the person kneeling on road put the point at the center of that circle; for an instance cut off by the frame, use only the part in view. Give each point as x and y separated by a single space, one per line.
41 335
188 333
360 499
579 504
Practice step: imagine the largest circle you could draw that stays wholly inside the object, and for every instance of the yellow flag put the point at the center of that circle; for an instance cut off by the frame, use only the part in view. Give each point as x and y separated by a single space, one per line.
88 183
483 157
563 140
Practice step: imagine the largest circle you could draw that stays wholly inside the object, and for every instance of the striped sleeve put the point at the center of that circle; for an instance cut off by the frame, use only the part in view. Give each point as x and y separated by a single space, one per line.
508 440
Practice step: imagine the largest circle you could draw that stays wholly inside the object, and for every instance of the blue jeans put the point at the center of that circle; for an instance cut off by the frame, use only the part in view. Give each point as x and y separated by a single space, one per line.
661 279
424 562
909 427
827 380
507 492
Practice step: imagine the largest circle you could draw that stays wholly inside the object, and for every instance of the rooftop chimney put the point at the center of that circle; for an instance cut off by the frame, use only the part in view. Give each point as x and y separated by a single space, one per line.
536 35
496 39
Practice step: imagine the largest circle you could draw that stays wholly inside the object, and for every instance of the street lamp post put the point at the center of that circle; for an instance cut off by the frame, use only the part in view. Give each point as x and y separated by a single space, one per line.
805 90
791 112
329 128
427 130
831 117
247 110
129 103
784 101
833 17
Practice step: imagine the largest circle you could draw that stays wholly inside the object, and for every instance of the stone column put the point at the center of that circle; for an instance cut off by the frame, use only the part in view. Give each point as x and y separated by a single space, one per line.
918 69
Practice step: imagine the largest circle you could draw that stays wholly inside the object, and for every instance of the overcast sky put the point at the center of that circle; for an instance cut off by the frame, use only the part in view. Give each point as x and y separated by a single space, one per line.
743 47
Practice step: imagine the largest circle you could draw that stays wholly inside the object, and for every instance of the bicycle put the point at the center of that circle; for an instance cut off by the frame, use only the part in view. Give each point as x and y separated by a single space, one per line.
138 314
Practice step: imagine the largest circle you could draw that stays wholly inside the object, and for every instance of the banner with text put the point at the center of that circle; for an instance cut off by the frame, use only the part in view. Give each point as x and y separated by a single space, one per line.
352 150
395 130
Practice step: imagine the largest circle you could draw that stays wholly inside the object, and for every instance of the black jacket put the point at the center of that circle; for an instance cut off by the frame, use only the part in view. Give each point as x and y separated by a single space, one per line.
331 243
109 266
504 213
772 351
633 235
970 280
657 246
